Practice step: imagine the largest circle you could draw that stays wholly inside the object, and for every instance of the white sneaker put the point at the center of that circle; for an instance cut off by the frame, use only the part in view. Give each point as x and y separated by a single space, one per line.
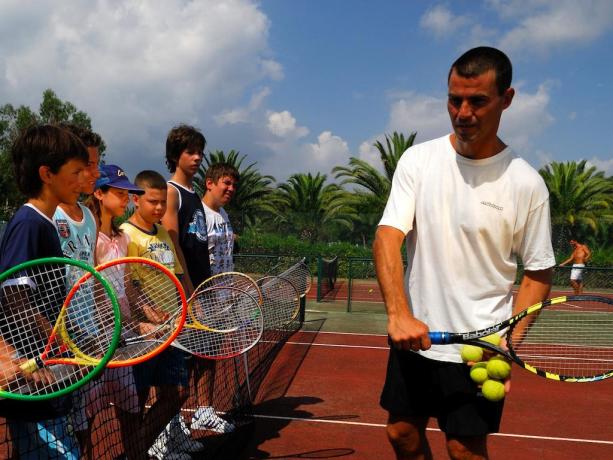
165 448
180 436
205 418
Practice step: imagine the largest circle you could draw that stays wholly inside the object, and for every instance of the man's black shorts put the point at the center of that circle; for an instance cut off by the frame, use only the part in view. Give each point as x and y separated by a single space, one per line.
419 387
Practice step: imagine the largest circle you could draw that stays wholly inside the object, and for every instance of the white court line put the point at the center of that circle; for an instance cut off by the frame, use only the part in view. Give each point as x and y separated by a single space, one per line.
309 344
381 425
343 333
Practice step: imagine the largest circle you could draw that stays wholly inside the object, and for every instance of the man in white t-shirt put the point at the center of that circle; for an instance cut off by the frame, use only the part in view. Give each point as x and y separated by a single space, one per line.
468 207
221 181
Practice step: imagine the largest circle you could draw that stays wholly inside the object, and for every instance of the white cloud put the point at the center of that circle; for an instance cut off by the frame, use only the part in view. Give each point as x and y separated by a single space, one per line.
242 114
441 22
602 165
283 124
136 67
328 152
527 117
545 25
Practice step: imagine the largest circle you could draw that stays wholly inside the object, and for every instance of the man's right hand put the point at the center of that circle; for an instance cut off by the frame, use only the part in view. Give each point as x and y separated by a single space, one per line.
407 333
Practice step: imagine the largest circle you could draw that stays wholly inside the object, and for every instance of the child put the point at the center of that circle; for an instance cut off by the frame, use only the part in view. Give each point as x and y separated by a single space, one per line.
109 201
186 224
221 181
168 371
76 228
49 162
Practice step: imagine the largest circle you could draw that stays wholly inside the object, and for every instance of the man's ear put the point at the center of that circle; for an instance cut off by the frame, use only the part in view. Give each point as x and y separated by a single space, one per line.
508 98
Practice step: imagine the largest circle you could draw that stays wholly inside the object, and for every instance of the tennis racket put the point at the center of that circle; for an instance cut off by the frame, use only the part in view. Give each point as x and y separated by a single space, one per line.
235 280
568 338
223 322
50 315
153 308
281 302
300 276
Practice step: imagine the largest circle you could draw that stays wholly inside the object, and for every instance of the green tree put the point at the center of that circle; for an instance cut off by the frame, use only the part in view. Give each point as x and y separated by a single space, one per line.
14 119
580 198
306 206
373 187
246 206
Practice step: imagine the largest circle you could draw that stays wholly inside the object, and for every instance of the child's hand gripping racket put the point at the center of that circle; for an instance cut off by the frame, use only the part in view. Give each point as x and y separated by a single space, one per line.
51 315
567 338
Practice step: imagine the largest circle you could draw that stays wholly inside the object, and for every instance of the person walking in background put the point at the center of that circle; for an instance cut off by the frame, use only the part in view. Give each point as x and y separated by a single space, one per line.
580 256
468 207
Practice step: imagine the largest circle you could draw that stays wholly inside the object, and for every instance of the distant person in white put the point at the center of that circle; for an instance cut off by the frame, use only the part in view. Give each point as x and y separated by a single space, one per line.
221 181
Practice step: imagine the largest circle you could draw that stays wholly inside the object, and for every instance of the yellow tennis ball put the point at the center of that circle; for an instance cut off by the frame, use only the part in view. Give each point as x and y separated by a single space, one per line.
370 291
494 339
493 390
478 373
471 353
498 368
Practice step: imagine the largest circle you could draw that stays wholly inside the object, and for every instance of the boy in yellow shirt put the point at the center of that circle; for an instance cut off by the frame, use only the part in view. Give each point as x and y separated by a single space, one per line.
168 371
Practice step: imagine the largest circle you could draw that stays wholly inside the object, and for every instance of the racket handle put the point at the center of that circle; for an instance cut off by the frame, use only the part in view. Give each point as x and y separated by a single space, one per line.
31 365
440 338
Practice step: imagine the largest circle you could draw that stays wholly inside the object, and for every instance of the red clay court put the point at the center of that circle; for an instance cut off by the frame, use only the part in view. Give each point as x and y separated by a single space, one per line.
331 410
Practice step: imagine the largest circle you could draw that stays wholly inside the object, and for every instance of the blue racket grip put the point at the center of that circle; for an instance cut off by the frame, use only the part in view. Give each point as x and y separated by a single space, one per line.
439 338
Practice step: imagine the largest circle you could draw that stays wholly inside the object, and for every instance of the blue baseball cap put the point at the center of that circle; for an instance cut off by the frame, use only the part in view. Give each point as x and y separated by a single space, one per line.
114 176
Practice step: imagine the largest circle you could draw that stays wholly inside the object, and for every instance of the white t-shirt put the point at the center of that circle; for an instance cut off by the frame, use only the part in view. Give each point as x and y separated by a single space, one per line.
221 240
466 223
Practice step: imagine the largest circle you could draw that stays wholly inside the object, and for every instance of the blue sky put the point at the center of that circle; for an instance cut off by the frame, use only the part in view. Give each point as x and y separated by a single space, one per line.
302 85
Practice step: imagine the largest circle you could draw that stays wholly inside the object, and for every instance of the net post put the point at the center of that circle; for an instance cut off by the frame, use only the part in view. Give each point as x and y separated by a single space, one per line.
320 267
349 283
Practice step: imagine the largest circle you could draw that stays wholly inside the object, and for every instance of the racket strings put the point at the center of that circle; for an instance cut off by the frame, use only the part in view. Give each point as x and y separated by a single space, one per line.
281 302
47 319
300 276
222 322
568 340
151 304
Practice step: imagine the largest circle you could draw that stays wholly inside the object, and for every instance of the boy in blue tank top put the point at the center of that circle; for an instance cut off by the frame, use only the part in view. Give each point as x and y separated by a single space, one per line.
48 162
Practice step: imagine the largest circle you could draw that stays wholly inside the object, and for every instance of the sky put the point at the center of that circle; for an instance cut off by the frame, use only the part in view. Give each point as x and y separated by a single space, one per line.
303 85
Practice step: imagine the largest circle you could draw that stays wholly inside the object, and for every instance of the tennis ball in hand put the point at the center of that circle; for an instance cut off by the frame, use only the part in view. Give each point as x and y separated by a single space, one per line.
493 390
494 339
471 353
498 368
478 372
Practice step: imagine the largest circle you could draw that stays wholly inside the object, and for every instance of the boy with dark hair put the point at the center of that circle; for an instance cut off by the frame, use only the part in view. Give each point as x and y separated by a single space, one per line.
186 223
49 163
184 218
168 371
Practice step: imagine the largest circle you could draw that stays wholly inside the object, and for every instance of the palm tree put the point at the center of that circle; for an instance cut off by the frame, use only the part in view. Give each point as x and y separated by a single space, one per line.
253 188
373 187
580 197
306 206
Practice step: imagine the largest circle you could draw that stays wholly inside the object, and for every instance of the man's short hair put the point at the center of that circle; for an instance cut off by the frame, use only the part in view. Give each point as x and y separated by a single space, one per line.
43 145
150 179
218 170
479 60
181 138
87 136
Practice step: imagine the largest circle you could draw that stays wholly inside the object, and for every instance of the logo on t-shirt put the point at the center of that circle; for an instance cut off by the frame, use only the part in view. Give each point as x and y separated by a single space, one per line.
492 205
197 226
63 228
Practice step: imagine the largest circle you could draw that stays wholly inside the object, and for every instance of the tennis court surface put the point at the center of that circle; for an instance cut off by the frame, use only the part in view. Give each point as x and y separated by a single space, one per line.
331 410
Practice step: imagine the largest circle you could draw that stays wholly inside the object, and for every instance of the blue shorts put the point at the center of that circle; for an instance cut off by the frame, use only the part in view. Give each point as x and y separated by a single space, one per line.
45 440
170 368
420 387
